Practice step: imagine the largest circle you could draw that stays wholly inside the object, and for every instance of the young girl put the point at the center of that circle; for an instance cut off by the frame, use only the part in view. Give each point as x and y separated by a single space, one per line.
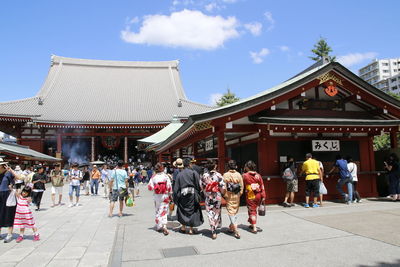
23 215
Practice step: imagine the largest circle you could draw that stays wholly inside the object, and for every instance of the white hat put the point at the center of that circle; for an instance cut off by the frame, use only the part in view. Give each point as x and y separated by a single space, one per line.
2 162
17 168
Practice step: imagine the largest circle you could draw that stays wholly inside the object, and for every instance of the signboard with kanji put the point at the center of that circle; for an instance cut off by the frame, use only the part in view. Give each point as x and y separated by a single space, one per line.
325 145
209 145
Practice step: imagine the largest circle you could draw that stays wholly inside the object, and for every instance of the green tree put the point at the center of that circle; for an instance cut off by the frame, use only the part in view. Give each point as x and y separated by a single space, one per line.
381 142
394 95
321 50
227 98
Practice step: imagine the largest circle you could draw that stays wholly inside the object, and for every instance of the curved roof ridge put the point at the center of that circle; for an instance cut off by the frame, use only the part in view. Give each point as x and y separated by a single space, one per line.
19 100
196 103
114 63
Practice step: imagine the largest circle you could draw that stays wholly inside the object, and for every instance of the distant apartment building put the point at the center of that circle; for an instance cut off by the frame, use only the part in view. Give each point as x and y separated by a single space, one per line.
380 73
394 84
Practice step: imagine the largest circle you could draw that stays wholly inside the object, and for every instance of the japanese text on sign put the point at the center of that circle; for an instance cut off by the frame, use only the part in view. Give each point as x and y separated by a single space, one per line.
209 145
325 145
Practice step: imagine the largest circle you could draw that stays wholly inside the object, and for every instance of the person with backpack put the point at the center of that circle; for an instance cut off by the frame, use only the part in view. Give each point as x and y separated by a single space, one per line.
290 177
234 189
344 179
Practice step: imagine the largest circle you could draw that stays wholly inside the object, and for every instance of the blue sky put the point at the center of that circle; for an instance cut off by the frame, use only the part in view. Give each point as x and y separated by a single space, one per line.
245 45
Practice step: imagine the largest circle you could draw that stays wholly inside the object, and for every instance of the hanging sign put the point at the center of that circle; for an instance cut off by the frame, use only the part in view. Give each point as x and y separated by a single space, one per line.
325 145
209 145
110 142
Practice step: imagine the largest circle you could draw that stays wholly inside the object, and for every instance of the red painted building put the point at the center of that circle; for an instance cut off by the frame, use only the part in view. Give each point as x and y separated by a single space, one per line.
96 107
326 110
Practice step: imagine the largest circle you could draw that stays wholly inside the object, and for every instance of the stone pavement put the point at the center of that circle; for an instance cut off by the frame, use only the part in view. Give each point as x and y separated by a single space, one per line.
77 236
365 234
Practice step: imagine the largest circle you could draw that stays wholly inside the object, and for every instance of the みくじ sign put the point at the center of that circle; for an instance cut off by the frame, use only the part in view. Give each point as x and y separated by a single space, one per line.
325 145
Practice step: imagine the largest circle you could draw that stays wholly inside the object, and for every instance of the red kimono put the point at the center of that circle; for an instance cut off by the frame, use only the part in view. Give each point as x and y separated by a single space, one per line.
254 188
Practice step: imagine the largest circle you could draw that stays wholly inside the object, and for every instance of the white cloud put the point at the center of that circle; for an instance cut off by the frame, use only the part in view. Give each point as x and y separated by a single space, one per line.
300 54
213 99
186 28
258 57
229 1
254 27
270 19
211 6
356 58
284 48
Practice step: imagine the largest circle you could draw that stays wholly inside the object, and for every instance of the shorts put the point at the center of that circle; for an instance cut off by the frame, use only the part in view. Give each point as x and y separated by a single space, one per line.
57 190
292 186
312 186
72 188
115 195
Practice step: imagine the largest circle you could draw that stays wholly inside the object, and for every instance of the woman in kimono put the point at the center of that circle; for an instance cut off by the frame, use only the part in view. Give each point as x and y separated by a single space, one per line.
213 186
160 183
187 198
255 193
234 189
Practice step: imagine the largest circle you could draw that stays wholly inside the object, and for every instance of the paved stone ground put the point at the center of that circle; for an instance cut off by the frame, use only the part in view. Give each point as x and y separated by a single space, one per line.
77 236
365 234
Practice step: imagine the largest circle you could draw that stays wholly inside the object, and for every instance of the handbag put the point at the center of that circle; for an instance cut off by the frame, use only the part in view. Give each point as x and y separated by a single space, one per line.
129 202
322 189
261 209
11 199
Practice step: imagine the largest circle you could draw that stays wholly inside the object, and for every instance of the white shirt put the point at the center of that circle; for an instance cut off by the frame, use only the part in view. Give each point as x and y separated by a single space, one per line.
353 170
77 174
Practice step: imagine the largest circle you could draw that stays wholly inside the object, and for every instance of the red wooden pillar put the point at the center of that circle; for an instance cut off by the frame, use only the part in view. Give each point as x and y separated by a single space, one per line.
159 157
372 164
393 140
262 151
59 143
194 147
125 149
221 150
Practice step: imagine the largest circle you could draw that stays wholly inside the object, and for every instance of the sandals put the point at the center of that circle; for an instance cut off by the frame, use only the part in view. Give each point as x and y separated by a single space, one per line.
237 235
183 231
214 236
252 230
165 232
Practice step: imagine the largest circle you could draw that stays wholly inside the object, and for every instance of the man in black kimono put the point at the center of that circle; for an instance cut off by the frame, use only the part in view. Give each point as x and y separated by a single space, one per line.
187 198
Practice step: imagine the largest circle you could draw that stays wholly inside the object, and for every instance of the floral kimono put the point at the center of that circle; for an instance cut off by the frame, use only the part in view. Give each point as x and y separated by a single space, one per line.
255 191
212 183
161 185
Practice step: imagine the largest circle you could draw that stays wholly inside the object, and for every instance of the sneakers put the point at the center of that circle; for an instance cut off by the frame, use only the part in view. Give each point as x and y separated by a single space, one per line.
346 198
306 206
70 205
359 201
78 204
8 239
36 237
19 239
286 205
315 205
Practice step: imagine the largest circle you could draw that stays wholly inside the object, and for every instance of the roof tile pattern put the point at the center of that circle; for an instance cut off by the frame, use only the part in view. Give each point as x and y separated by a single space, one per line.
108 92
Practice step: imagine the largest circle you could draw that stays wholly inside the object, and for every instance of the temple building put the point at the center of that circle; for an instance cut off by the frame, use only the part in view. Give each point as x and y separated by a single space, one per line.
90 108
326 110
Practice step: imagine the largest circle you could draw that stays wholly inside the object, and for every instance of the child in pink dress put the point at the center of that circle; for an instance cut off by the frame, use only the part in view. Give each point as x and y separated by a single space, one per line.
23 215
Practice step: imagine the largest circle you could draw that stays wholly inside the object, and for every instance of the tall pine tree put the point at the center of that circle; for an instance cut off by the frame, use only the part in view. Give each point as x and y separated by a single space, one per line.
321 50
227 98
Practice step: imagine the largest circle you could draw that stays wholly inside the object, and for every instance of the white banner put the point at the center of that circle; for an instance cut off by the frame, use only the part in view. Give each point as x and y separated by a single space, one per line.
325 145
209 145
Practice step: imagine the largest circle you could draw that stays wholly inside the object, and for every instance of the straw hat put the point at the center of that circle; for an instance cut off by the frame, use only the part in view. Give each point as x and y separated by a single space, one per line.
178 163
17 168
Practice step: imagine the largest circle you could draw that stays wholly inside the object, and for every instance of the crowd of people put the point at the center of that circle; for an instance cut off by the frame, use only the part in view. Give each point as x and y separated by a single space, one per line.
189 184
185 186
